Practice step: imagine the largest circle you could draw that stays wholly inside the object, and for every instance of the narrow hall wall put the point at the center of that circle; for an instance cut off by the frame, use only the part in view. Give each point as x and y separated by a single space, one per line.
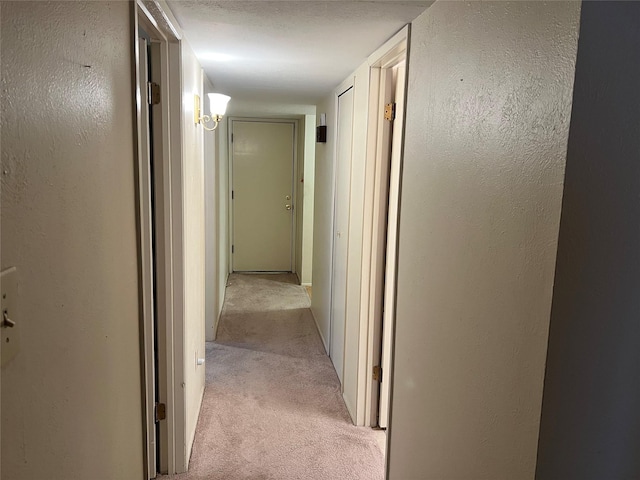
71 399
590 417
487 122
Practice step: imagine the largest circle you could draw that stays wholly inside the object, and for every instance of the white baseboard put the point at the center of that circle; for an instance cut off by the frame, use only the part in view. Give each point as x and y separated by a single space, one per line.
324 342
350 409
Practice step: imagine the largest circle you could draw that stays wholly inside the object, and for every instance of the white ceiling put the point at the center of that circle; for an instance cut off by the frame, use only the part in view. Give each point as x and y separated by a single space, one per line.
291 52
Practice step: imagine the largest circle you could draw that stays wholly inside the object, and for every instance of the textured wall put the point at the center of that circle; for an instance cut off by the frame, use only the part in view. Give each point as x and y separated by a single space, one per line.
194 241
590 426
71 399
487 123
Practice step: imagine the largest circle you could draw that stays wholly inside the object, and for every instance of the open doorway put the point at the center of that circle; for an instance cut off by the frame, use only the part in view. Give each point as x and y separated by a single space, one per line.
156 89
386 130
393 114
147 247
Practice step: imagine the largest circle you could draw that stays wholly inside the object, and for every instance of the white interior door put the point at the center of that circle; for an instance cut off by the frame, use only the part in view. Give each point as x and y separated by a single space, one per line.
262 162
388 317
341 230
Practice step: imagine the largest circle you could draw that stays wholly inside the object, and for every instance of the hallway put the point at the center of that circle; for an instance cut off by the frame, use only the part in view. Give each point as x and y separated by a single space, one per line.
272 407
515 335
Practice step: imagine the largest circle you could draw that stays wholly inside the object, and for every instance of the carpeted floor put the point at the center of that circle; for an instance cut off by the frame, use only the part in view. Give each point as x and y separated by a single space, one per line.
272 406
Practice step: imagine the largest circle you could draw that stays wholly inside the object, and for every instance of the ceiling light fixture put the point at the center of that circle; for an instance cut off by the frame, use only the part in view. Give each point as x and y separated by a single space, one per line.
217 107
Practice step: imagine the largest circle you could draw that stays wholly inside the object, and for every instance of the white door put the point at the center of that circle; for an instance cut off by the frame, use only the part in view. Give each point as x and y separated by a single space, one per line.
262 195
341 230
388 317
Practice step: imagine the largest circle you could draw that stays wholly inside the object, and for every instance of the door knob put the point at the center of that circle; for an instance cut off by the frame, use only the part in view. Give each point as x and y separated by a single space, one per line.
288 207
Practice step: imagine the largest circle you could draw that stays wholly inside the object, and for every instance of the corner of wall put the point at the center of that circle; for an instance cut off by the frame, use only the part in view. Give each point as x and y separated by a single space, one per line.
309 199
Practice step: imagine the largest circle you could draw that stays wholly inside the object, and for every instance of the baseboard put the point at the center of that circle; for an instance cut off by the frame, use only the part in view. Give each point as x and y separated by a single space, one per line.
195 428
215 328
216 324
350 409
324 342
306 284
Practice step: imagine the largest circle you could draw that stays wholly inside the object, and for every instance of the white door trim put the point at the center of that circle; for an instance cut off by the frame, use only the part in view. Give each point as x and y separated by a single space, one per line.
375 226
159 23
388 318
294 194
146 255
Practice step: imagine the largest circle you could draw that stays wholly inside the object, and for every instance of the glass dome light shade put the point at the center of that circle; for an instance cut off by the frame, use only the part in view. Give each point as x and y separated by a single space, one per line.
218 103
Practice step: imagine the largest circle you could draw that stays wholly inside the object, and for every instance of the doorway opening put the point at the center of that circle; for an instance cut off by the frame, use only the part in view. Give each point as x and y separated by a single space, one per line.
156 89
387 102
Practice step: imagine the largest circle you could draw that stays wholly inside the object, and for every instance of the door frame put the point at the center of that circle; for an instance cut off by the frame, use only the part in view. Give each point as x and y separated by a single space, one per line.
156 19
146 257
375 226
344 87
294 194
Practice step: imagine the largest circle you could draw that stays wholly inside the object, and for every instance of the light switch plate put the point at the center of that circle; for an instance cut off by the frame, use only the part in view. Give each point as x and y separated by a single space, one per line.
8 303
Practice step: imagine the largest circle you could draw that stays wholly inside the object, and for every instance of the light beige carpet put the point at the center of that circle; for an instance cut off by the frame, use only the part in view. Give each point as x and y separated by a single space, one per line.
272 405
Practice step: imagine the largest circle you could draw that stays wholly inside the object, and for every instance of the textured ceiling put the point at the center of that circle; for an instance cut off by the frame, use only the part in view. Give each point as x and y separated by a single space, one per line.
291 52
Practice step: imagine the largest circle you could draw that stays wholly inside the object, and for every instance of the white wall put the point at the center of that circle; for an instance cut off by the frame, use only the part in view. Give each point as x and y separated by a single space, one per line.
223 209
488 109
194 241
211 200
308 198
71 399
323 221
251 108
323 228
299 195
304 197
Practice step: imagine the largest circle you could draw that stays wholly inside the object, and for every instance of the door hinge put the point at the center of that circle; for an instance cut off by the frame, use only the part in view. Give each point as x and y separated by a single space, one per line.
232 138
233 249
153 93
390 112
160 411
377 373
233 194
